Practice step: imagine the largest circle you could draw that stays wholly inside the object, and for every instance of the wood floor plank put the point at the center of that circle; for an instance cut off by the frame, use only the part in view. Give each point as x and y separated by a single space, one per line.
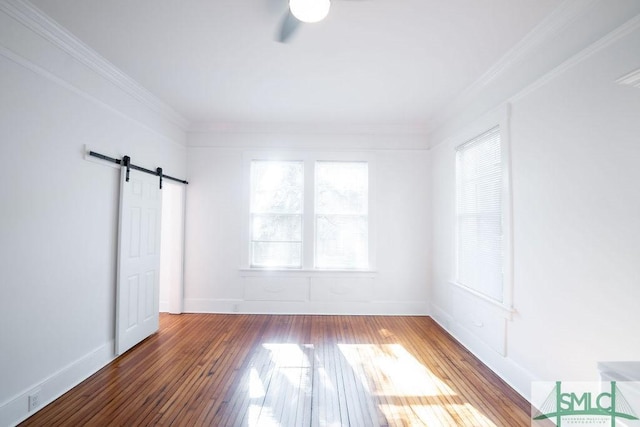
261 370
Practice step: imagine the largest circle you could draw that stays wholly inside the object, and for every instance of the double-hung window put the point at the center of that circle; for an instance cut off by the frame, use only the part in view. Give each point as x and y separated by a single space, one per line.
480 207
309 213
341 214
277 201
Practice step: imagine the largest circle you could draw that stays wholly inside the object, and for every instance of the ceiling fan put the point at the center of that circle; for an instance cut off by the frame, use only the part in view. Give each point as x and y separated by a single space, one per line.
299 12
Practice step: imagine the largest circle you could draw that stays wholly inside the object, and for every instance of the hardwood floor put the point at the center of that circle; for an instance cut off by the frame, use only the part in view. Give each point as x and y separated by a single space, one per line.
273 370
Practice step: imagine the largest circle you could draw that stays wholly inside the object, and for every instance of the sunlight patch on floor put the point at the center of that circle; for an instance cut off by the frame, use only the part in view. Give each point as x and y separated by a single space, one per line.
288 355
417 415
259 416
409 393
392 370
393 384
290 361
256 389
470 415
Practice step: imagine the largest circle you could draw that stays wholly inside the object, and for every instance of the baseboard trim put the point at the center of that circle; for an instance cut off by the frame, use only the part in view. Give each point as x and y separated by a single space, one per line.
513 374
16 409
386 308
441 317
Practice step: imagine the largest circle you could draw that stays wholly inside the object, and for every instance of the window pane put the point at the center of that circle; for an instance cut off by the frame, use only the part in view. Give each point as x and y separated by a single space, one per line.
276 228
276 187
276 254
341 241
342 188
479 212
276 213
480 254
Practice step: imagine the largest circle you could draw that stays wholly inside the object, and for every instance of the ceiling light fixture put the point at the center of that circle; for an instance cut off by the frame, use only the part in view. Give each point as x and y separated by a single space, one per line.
310 10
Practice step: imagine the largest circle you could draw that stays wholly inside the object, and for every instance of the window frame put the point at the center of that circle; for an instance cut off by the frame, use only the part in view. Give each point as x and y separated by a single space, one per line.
253 214
500 118
309 158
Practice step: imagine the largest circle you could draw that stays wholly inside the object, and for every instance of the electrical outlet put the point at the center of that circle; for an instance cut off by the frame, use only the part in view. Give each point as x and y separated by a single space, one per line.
34 400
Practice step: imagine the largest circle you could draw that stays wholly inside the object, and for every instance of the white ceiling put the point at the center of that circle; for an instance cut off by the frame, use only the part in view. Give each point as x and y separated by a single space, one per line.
370 62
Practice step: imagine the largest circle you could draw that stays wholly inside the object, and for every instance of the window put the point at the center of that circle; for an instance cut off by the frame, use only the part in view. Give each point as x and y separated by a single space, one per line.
276 213
341 219
309 214
479 193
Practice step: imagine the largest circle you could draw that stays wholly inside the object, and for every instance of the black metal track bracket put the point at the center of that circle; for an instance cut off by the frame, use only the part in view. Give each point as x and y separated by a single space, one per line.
126 162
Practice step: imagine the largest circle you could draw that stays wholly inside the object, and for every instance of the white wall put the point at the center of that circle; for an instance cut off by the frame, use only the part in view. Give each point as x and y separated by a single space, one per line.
213 280
59 212
576 221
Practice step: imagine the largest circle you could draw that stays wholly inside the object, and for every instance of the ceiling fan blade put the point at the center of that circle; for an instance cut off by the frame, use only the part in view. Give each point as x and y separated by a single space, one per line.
289 26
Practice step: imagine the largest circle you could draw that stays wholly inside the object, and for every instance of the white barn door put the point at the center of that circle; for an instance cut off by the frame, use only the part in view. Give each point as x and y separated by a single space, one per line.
137 304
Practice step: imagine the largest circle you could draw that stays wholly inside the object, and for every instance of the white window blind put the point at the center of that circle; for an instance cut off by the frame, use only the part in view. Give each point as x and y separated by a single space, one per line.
341 215
479 179
276 210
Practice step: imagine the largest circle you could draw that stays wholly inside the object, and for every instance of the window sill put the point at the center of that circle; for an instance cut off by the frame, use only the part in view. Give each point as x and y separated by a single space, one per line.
282 272
506 310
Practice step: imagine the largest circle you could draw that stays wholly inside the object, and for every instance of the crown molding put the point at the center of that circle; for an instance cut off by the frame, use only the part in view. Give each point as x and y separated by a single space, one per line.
630 79
543 35
28 65
37 21
625 29
309 128
307 136
544 32
548 29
